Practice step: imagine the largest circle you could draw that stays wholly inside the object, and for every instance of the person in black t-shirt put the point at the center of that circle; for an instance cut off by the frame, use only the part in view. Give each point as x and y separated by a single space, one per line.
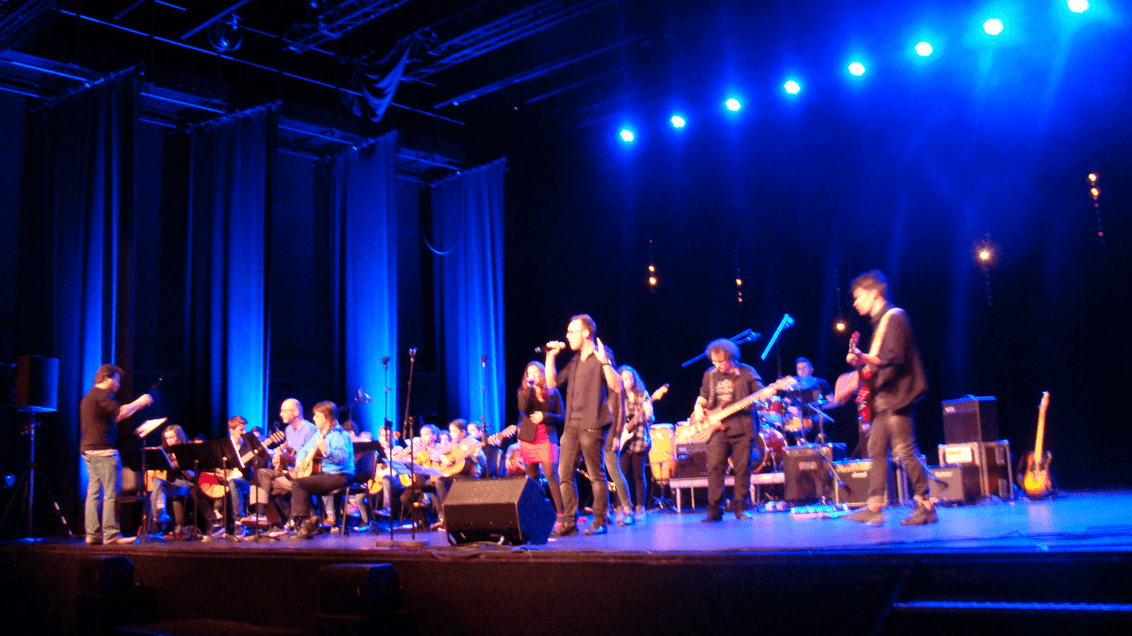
99 414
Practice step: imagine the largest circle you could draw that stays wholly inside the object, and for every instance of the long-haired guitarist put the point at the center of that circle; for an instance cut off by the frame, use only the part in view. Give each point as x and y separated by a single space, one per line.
896 380
328 461
727 383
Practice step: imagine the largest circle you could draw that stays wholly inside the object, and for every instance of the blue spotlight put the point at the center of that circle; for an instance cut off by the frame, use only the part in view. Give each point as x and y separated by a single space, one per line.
857 69
732 105
792 87
627 135
677 121
923 49
993 26
1078 6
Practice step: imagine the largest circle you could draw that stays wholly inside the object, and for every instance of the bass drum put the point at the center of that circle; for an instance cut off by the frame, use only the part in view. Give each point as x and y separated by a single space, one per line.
768 450
662 455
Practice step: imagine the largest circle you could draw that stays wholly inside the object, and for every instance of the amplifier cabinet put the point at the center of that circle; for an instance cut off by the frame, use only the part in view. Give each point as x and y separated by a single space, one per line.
970 419
855 476
807 473
993 461
955 484
691 461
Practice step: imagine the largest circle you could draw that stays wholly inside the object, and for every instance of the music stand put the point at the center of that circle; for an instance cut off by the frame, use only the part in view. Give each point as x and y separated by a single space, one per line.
186 455
214 456
142 460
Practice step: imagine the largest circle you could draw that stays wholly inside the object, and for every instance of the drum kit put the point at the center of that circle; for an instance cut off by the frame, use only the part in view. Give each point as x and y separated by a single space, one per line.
785 414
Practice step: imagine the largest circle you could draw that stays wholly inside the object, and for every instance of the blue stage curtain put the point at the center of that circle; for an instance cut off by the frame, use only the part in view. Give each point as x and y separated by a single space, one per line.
467 241
76 279
363 208
228 314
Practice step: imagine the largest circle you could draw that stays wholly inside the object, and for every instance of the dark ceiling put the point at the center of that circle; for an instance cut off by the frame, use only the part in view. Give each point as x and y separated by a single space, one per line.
472 63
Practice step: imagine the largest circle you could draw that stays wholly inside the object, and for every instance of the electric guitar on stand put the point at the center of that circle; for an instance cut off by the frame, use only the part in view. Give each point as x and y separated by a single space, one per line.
1036 480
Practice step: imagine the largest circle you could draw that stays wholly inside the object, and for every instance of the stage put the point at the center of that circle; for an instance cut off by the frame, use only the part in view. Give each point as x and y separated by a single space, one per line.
1040 565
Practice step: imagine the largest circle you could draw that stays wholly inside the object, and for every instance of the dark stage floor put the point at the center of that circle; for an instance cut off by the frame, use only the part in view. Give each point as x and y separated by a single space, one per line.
1039 565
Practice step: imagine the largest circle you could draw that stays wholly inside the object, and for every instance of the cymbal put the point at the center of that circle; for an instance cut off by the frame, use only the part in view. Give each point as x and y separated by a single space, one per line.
804 384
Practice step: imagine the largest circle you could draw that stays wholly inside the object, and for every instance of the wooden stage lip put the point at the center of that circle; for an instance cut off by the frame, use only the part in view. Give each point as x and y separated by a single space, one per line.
664 574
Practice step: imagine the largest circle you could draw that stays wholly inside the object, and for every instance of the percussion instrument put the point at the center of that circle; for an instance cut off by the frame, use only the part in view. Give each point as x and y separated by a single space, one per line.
770 446
662 455
772 412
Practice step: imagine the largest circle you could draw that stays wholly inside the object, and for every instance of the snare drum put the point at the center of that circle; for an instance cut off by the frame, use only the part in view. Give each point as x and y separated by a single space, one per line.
770 448
662 455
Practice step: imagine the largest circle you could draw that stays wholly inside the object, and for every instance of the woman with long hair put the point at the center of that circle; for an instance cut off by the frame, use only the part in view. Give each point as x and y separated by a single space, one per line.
635 443
542 418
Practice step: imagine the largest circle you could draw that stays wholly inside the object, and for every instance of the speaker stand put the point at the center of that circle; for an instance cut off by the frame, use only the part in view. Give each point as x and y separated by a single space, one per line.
28 476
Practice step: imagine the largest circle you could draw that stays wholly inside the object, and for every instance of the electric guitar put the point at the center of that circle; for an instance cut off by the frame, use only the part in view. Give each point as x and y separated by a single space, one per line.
1036 480
632 425
701 430
452 462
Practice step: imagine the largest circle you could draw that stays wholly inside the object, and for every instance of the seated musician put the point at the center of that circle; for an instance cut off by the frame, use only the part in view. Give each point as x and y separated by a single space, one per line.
425 450
462 459
384 490
272 485
238 485
332 452
176 483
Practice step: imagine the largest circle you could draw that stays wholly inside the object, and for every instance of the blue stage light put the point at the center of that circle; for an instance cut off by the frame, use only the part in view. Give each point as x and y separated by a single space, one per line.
677 121
1078 6
993 26
627 135
857 69
924 49
732 105
792 87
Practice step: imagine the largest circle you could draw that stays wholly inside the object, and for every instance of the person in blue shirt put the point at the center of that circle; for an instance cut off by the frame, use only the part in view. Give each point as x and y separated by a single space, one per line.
332 449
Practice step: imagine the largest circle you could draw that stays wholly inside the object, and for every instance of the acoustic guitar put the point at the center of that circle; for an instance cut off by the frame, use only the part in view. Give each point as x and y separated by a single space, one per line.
453 460
1036 480
212 484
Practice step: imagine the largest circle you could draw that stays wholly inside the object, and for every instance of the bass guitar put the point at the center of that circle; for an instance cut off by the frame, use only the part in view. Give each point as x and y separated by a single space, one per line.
632 425
1036 480
452 462
701 430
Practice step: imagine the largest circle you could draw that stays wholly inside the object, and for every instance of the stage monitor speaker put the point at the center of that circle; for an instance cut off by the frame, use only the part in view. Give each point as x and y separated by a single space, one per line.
855 475
807 474
511 509
955 484
970 419
37 384
691 461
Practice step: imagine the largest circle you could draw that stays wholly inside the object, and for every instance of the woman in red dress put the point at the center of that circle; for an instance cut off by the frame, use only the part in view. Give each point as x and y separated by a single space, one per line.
540 410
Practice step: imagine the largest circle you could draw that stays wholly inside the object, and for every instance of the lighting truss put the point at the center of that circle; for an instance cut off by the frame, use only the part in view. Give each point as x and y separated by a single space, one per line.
337 21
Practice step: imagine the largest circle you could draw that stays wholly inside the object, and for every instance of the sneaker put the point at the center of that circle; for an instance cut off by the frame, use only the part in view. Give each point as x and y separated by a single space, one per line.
922 515
742 514
307 530
93 540
275 533
565 529
596 529
864 515
255 520
712 517
290 525
121 539
627 519
163 517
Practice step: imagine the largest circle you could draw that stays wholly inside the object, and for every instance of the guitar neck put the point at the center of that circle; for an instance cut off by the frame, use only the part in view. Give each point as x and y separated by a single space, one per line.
1041 424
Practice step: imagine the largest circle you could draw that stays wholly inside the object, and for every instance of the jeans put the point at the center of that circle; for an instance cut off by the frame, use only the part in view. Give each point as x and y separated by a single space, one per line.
613 467
162 490
104 475
895 430
589 442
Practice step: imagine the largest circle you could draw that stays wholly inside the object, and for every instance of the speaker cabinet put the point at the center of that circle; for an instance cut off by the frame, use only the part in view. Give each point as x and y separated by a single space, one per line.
970 419
855 476
511 509
691 461
992 460
807 474
955 484
37 384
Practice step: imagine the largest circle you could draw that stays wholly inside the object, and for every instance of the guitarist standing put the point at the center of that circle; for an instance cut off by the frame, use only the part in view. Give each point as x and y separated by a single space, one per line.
894 372
726 382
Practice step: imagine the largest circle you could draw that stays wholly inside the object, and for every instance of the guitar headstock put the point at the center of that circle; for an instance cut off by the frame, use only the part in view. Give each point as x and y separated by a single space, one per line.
854 339
659 393
1044 403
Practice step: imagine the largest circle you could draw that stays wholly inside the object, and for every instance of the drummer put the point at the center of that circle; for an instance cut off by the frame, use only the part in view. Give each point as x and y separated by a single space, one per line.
807 394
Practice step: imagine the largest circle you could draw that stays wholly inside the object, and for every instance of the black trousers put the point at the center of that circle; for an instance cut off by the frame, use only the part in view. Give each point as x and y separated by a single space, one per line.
302 489
720 446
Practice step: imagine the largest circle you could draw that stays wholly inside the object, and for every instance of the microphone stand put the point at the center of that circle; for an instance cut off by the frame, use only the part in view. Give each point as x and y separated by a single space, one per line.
407 424
388 424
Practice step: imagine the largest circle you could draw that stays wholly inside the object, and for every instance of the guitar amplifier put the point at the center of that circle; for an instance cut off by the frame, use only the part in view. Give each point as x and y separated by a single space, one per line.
807 474
691 461
993 461
855 475
955 484
970 419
